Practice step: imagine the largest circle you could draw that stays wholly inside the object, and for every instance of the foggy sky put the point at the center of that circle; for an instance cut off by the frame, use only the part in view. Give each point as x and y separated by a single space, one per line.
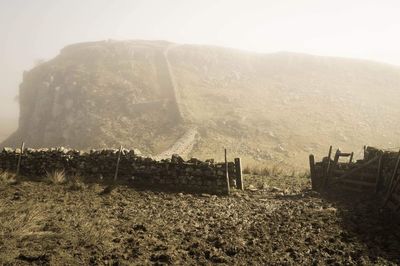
38 29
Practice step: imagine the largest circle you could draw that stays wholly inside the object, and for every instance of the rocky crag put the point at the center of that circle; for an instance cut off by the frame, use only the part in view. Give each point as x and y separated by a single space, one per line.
161 98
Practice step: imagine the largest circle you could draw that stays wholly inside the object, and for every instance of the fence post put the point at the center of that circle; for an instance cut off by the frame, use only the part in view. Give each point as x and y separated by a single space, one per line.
328 166
239 174
312 172
392 180
351 157
227 174
20 158
329 161
118 161
332 167
379 174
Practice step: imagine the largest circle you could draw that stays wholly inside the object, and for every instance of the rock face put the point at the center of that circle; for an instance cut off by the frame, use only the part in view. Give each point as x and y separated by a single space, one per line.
151 95
99 95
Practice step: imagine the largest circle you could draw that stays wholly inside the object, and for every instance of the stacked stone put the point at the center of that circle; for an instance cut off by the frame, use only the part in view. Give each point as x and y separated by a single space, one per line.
170 174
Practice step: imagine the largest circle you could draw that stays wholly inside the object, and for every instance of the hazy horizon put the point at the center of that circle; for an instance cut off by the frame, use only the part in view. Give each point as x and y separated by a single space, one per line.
36 30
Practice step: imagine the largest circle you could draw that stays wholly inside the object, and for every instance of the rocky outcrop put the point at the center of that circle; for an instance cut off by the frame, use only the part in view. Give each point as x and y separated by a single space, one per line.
99 95
148 95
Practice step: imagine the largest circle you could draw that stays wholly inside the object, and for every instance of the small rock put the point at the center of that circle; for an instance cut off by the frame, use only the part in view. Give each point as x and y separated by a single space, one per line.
217 259
163 258
177 159
17 195
276 189
331 209
252 188
140 227
40 259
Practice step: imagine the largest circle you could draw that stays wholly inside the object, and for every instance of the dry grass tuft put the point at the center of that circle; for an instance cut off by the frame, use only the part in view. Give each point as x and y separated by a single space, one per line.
8 178
270 170
57 177
276 171
25 221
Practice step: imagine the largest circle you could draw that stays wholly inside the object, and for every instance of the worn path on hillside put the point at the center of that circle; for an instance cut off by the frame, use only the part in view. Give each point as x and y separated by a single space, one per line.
183 146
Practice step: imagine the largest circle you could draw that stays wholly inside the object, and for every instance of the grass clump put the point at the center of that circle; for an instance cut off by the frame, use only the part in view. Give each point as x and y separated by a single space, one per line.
59 177
8 178
275 170
270 170
56 177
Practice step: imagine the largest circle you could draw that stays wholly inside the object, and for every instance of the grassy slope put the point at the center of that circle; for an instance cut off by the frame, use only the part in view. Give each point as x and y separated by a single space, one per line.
286 105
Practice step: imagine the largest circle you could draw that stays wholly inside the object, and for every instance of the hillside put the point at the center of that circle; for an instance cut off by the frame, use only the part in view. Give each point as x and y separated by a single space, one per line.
161 97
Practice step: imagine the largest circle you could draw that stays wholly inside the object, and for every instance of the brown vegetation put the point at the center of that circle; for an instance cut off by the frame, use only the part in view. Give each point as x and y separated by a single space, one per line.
46 223
8 178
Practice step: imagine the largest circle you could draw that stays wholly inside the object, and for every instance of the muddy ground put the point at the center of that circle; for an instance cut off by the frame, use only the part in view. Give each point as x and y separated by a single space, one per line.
276 221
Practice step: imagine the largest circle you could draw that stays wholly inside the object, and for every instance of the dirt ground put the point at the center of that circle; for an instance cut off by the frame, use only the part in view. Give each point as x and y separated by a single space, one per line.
43 223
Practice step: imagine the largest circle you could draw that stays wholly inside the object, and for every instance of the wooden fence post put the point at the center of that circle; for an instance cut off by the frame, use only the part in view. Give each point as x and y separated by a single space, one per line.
391 181
20 158
379 174
351 157
312 172
335 162
118 161
227 173
329 160
239 174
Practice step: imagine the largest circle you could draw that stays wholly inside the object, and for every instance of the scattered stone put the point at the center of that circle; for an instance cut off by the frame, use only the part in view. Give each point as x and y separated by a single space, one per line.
41 259
140 227
276 189
163 258
17 195
177 159
251 187
218 259
331 209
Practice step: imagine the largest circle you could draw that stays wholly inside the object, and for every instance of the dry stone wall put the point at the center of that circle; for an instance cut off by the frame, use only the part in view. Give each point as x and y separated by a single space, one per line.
169 174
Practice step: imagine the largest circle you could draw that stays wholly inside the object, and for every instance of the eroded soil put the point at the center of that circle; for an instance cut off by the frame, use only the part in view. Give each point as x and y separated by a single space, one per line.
51 224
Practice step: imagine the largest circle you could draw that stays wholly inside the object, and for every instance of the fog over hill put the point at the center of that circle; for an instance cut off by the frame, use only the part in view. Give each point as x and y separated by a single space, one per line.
161 98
